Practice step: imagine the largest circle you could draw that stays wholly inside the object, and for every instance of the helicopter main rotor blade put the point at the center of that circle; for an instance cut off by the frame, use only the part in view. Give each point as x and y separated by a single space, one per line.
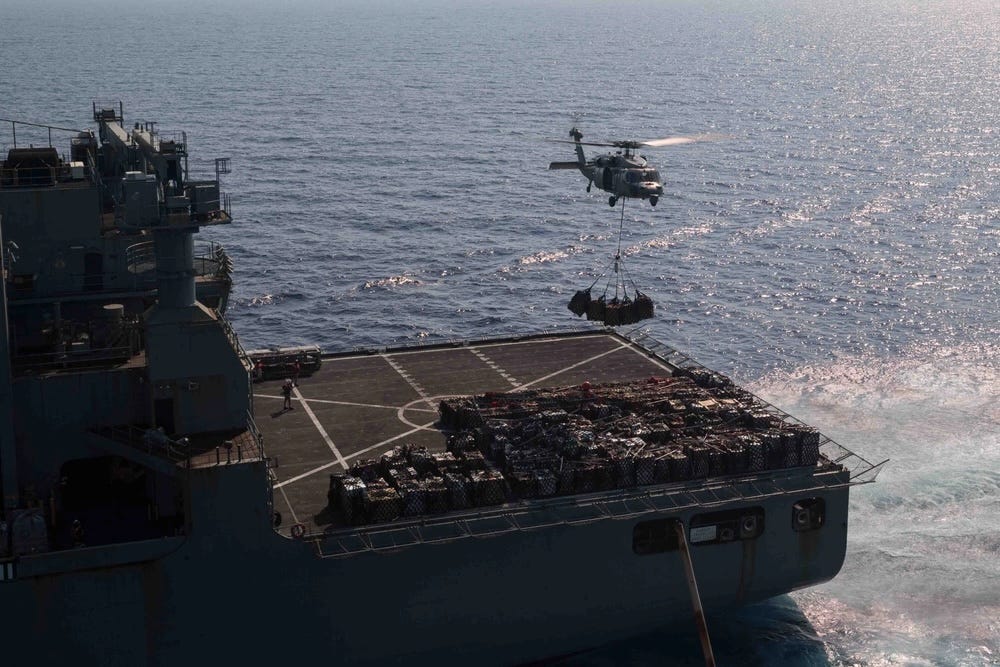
582 143
677 141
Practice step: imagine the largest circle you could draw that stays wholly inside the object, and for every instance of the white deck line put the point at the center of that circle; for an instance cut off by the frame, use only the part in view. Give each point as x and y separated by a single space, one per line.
356 454
343 461
494 366
388 440
635 348
409 380
529 340
307 473
319 427
349 403
621 346
291 509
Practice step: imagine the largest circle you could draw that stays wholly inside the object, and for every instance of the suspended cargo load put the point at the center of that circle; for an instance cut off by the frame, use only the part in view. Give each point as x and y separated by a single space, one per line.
612 312
579 303
596 310
620 308
643 306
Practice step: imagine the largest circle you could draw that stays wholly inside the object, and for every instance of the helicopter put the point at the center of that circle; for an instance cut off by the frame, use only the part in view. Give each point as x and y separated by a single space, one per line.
624 173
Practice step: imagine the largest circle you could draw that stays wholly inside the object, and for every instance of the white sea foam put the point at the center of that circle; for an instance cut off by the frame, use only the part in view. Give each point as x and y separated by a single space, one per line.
920 583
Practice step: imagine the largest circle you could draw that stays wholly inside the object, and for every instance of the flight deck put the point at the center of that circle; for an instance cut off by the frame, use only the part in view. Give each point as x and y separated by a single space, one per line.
360 405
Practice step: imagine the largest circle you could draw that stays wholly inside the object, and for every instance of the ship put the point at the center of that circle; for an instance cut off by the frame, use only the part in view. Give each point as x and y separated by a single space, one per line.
170 497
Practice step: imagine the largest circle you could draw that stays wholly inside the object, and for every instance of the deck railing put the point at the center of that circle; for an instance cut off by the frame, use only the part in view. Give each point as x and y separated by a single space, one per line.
580 510
148 440
51 361
210 259
862 470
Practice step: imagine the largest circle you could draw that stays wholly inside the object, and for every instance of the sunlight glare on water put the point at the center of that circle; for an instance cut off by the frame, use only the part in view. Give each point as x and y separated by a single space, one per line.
838 250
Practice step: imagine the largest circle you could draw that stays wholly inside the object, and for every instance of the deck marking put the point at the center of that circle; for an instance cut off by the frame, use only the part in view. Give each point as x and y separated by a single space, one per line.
392 439
492 364
342 460
409 379
347 403
289 503
502 343
356 454
306 474
319 427
621 346
634 347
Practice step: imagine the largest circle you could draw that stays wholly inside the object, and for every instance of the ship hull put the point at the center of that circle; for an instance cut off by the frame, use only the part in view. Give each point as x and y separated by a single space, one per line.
516 595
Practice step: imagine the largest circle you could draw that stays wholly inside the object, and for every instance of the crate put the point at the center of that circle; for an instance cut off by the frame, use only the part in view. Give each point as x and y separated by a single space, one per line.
353 499
414 498
368 470
487 488
645 468
436 496
384 504
547 482
810 446
458 496
681 468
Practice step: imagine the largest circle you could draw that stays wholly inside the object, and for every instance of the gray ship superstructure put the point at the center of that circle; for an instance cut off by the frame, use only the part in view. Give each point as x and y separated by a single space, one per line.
144 523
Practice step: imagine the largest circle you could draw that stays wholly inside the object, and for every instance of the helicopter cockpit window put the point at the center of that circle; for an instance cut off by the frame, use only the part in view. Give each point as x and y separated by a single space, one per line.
651 176
633 176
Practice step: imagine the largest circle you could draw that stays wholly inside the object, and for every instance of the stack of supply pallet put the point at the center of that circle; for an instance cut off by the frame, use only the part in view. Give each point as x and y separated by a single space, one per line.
540 443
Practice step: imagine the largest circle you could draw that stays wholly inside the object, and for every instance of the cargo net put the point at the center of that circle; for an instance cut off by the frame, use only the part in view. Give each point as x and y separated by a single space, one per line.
556 442
613 307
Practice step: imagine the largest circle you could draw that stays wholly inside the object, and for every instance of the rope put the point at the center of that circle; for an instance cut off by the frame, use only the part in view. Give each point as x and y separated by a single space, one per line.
615 270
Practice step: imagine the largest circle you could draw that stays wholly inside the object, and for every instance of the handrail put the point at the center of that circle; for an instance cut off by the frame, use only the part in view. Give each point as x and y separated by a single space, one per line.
58 360
210 258
572 511
257 437
234 340
146 439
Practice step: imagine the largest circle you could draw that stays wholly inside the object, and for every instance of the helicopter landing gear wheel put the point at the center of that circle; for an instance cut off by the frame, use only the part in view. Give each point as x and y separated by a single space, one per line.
653 200
612 200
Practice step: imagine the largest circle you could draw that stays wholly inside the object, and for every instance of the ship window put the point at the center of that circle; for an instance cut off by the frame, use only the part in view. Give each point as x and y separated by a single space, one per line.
729 526
654 537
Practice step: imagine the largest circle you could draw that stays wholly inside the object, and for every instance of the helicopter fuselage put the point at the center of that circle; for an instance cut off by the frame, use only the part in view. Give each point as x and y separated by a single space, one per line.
623 173
624 176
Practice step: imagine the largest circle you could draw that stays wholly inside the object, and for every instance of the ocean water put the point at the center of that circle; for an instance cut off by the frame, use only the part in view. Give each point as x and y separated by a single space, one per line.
838 250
